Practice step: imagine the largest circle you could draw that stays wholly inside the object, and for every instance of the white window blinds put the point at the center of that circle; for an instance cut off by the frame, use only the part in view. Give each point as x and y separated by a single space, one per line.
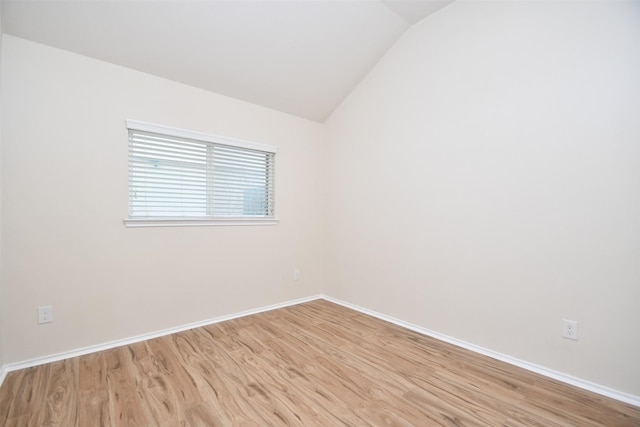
182 174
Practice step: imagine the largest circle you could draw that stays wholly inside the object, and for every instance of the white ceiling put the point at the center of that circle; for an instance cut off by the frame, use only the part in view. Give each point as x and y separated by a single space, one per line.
301 57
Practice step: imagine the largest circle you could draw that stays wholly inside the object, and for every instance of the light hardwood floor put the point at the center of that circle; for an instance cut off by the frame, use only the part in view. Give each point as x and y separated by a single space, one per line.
314 364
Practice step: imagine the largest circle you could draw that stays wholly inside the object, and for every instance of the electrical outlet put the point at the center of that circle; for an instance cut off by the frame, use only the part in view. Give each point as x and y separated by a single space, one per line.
570 329
45 314
296 274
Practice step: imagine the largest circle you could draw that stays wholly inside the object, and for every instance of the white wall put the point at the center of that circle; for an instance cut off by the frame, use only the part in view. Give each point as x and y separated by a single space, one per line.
483 181
64 175
1 280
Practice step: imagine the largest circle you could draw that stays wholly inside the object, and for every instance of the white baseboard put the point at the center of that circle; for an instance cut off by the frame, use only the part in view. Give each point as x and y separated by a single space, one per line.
578 382
3 374
4 370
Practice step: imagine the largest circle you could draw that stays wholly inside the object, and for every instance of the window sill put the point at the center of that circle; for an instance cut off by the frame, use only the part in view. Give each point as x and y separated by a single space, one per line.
196 222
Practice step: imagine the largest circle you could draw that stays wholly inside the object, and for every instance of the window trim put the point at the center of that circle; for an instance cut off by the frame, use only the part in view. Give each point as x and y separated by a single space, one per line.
197 221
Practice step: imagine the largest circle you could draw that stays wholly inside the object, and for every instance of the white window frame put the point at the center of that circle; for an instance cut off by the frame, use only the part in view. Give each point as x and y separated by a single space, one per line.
187 221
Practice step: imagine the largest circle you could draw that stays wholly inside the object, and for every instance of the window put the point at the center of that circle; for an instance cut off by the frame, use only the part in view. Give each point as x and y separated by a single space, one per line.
180 177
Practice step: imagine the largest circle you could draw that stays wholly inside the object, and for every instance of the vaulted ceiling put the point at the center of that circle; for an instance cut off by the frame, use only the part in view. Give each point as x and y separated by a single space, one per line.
300 57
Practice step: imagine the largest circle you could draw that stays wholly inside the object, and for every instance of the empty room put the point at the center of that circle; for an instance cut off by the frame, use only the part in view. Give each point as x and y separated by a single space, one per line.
319 213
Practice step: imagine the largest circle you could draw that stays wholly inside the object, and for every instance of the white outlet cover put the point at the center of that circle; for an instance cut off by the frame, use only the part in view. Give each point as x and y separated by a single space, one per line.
570 329
45 314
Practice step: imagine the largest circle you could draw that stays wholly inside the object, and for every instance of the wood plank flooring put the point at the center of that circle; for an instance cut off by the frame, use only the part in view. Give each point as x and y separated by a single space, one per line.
313 364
